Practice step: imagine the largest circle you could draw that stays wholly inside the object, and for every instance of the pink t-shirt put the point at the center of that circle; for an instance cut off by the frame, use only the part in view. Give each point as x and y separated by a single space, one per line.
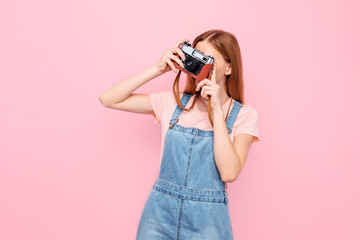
164 105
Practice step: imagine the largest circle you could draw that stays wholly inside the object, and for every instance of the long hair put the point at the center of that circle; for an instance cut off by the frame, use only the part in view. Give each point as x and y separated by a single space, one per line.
227 45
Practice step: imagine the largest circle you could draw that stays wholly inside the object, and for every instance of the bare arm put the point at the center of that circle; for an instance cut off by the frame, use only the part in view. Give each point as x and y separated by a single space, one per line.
121 96
229 157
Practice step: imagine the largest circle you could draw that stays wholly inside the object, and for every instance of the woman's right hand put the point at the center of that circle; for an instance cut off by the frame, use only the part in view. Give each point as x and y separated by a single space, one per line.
165 64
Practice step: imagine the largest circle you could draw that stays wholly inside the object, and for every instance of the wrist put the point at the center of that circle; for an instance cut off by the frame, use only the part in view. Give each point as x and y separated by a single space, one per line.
217 111
156 70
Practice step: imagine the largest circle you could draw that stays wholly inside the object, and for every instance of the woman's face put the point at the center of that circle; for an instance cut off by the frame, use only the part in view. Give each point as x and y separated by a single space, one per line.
222 67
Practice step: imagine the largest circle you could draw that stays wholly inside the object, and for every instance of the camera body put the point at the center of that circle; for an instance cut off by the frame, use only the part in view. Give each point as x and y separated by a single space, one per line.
197 64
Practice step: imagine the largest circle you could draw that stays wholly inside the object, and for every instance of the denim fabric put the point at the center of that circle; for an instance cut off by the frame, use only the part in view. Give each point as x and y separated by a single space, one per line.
188 200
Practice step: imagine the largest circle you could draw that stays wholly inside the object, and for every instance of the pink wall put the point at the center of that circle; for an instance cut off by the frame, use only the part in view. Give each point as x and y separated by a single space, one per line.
73 169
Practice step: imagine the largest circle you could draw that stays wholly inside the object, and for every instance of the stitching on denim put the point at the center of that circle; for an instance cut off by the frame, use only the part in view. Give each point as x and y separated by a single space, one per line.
234 112
188 162
199 132
179 220
199 190
182 198
221 199
184 100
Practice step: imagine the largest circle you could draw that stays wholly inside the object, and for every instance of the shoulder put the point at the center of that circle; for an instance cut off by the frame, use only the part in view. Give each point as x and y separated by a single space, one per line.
247 111
247 121
161 102
247 118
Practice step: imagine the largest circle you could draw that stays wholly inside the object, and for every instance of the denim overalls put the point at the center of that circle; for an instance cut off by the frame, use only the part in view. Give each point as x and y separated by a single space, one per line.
188 200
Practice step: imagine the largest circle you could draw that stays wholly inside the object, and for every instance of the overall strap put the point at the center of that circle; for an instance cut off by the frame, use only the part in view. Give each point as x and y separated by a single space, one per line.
175 117
186 97
232 115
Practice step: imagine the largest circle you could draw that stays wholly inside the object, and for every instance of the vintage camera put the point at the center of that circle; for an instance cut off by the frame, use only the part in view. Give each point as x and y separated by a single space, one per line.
197 64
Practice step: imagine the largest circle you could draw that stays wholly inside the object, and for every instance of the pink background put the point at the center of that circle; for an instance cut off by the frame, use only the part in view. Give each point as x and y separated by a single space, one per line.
72 169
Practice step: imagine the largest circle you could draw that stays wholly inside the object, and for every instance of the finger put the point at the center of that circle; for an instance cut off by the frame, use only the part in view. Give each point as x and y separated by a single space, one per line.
204 95
204 81
209 93
171 65
206 88
200 84
180 42
175 58
207 82
181 53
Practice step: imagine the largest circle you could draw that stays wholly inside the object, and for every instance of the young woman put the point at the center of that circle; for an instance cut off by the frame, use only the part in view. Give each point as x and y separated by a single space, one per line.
189 199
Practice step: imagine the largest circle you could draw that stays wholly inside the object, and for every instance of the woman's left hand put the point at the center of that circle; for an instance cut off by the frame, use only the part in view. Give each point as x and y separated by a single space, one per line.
210 87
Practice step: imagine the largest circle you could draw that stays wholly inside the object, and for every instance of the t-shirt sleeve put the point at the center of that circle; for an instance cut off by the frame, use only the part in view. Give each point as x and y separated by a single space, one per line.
249 125
159 101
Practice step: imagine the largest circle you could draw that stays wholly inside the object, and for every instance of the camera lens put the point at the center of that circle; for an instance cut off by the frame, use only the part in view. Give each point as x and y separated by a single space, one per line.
191 64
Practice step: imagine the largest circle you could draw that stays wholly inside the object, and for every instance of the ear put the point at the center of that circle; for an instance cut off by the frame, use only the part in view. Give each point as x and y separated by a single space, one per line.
228 69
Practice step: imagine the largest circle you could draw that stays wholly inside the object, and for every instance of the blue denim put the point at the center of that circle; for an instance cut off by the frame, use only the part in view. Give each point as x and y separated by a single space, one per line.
188 200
